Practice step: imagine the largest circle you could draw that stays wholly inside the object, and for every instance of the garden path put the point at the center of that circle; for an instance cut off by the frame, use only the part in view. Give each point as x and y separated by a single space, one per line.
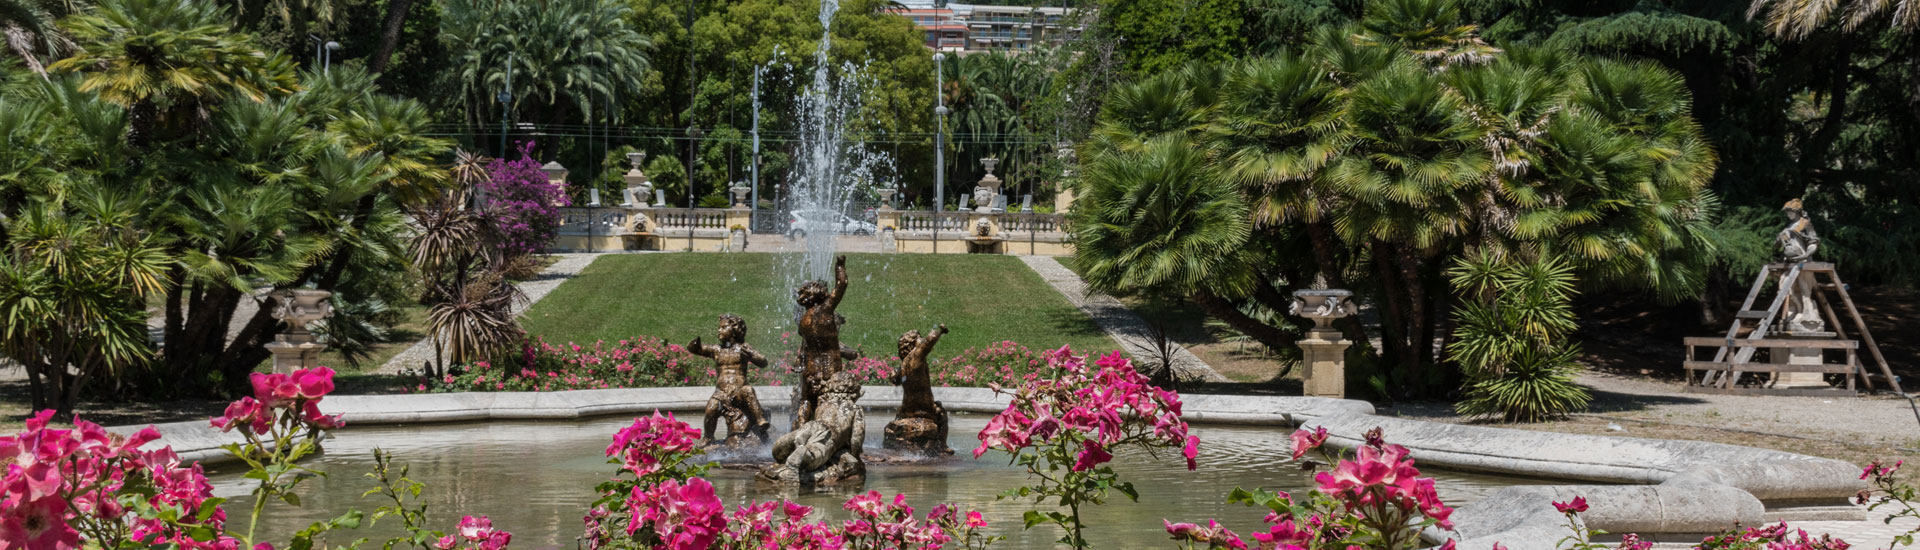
568 265
1128 329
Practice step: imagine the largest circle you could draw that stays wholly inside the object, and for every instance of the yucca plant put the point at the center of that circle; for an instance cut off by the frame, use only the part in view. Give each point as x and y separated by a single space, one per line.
1513 324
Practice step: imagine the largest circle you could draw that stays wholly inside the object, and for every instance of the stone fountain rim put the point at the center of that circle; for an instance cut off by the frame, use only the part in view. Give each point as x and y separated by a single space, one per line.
1323 292
1658 486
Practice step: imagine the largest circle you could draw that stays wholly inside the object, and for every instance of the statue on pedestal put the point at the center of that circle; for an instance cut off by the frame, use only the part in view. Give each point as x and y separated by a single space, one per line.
921 425
732 397
1798 241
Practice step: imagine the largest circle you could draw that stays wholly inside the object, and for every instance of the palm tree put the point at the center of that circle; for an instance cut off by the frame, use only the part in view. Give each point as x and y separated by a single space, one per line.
29 30
1797 19
568 56
1161 218
74 279
167 60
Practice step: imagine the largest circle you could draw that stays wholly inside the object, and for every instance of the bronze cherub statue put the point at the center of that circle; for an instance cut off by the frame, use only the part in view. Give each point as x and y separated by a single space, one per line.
921 424
732 397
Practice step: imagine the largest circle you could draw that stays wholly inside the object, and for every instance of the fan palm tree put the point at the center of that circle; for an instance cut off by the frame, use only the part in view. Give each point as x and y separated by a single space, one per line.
1796 19
568 56
1160 217
167 59
30 33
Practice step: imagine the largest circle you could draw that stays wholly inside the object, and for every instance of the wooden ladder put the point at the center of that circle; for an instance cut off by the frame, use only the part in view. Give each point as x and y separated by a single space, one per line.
1765 319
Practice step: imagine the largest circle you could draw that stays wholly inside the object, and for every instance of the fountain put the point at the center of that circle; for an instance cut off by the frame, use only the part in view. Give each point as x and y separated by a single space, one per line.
828 424
733 399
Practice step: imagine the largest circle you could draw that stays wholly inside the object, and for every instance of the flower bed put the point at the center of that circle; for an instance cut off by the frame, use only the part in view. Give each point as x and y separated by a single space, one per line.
648 362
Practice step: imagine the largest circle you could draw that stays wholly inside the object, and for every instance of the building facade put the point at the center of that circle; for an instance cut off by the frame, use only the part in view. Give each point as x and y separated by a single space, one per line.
968 28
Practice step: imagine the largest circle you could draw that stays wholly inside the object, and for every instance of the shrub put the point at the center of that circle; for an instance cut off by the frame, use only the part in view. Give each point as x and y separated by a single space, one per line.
1511 341
648 362
522 207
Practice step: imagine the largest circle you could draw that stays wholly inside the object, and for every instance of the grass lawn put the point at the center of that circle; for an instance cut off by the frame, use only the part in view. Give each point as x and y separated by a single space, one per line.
982 299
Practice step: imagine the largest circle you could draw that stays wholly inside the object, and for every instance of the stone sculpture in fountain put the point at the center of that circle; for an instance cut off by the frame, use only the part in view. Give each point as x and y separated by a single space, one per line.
921 425
829 427
733 399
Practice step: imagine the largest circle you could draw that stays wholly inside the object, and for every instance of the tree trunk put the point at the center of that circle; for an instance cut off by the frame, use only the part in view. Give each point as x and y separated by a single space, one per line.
1393 317
390 33
1221 309
1420 327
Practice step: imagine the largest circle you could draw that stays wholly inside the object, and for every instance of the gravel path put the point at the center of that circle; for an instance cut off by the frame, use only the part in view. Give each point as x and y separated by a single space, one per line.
1128 329
569 265
1872 419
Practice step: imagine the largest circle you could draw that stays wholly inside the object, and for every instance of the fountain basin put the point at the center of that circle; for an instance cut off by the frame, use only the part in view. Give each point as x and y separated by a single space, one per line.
1652 481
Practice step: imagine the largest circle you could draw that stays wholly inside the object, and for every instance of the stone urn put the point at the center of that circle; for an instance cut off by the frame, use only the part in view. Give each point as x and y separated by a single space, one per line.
739 195
1324 350
638 185
1323 306
296 348
298 307
886 195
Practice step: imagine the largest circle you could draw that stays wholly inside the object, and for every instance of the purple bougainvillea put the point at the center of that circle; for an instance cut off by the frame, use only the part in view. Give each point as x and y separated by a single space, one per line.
522 206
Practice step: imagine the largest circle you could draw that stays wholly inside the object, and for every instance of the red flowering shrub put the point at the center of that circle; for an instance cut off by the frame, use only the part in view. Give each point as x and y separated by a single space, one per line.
1064 425
658 501
648 362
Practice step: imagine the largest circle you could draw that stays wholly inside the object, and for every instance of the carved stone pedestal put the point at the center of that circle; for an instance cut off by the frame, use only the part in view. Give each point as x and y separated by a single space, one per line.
1799 356
1324 356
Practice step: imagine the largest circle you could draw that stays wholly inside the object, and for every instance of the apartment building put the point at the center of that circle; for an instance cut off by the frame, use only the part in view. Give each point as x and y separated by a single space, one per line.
967 28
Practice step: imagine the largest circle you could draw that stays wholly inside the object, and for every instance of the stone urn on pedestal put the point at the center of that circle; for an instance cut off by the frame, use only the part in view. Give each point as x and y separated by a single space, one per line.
1324 349
886 196
739 195
988 189
296 348
638 187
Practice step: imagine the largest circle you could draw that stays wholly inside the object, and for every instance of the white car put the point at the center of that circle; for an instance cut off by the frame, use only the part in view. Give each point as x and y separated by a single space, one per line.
800 223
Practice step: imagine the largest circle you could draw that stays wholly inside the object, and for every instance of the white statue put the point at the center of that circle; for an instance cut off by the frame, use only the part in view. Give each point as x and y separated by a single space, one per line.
1798 241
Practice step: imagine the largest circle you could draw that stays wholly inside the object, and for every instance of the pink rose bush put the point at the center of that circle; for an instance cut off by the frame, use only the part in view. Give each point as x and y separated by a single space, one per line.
63 487
1374 500
648 362
1065 425
1774 537
657 501
474 533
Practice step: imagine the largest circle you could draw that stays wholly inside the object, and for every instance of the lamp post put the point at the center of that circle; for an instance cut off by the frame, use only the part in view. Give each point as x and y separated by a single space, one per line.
327 66
693 146
939 141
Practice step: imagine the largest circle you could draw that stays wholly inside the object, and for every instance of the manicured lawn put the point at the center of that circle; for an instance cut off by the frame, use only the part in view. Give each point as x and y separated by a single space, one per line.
982 299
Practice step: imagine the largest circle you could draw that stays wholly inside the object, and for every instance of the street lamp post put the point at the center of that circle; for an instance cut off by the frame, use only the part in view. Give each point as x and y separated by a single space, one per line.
693 146
326 67
939 140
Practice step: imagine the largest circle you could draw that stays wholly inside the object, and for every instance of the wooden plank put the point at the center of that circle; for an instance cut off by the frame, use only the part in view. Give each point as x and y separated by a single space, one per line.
1763 325
1759 282
1793 392
1774 343
1825 368
1866 335
1833 320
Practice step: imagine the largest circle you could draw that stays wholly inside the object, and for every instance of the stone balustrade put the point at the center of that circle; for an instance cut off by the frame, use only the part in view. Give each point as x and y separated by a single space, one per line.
614 228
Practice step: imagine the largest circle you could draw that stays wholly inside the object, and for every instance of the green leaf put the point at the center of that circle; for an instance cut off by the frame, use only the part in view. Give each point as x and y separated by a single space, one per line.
1032 518
207 508
290 498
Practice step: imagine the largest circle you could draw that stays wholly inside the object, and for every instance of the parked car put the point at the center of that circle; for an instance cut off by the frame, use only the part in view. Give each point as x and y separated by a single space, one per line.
800 223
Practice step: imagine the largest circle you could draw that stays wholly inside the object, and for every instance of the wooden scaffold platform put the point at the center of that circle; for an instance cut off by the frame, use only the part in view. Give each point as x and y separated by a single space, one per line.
1797 347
